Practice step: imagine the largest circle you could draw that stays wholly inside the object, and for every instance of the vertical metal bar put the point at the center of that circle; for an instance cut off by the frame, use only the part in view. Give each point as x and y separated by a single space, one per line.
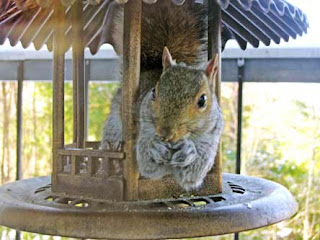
75 165
239 114
19 127
214 47
18 235
130 89
78 74
19 119
58 87
214 28
87 91
239 122
90 170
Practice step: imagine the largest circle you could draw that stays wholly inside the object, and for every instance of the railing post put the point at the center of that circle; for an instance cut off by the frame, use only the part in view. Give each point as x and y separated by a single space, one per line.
239 114
19 119
19 127
240 64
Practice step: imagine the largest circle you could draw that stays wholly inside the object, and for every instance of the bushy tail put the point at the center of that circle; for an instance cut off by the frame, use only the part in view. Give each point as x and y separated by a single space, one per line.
181 28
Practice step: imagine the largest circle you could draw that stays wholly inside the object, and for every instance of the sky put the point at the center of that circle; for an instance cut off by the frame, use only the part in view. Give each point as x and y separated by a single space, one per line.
310 40
312 10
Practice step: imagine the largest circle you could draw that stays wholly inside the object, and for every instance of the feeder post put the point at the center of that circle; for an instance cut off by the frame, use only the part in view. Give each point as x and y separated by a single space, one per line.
58 88
214 47
78 74
130 90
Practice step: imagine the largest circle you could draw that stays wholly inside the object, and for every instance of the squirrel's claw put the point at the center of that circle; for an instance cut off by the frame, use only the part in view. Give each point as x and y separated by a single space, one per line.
185 154
160 151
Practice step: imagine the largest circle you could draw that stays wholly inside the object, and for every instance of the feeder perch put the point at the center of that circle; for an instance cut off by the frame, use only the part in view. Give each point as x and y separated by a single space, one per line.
95 193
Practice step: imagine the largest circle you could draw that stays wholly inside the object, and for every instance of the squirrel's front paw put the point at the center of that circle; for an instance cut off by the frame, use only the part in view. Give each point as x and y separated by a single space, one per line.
185 153
160 151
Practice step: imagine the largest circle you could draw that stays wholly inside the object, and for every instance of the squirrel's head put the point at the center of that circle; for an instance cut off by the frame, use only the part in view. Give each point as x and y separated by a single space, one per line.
183 99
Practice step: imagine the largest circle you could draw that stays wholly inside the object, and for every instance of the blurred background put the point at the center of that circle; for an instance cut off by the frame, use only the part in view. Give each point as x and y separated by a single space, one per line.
280 119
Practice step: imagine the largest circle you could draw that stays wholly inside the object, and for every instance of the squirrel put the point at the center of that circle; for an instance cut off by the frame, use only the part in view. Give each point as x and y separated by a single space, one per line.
180 121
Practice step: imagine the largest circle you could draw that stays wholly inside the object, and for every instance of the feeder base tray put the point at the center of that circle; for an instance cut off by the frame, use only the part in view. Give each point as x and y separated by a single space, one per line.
245 203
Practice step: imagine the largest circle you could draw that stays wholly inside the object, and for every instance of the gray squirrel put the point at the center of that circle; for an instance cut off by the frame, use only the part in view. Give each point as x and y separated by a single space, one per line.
180 122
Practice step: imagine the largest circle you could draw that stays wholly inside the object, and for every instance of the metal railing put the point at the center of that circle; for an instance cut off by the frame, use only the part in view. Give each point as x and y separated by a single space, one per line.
252 65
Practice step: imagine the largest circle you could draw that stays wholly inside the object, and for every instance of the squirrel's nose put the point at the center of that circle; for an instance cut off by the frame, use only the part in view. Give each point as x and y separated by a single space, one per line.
165 133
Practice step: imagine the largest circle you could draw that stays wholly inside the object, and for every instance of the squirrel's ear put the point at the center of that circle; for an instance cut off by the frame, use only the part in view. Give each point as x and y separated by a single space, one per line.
212 67
167 60
212 70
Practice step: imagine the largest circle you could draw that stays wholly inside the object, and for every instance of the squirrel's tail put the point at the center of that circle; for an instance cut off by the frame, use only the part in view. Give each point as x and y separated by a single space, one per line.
181 28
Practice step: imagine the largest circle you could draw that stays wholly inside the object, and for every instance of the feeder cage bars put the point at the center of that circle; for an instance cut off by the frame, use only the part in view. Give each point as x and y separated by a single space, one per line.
79 171
130 91
58 90
97 193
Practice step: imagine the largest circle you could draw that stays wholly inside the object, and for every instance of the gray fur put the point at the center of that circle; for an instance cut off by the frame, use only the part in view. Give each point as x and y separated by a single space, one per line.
189 160
112 130
153 155
183 30
192 156
191 176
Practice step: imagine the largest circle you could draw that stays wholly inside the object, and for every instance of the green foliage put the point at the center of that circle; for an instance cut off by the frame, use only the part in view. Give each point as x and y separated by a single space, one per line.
281 142
229 138
99 107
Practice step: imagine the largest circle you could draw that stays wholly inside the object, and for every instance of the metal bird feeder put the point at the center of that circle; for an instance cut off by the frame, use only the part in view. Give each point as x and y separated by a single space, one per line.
86 196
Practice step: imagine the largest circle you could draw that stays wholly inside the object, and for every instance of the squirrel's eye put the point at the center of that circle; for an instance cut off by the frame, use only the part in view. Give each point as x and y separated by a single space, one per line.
202 101
153 94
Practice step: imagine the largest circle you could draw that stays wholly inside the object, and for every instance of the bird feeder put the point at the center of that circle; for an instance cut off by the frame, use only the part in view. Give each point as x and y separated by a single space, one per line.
86 196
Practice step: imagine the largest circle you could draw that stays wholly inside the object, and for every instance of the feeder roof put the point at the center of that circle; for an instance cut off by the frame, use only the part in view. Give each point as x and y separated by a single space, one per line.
246 21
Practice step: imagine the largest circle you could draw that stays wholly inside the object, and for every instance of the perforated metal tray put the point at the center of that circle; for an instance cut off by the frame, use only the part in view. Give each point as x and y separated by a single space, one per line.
245 203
